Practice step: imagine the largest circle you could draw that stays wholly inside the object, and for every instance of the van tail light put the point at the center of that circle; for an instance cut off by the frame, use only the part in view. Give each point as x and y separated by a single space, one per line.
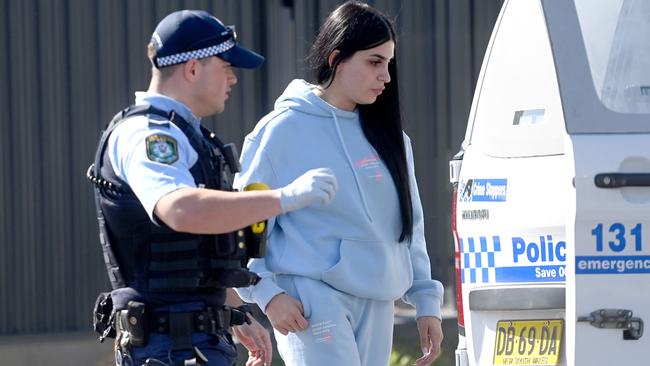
454 178
459 285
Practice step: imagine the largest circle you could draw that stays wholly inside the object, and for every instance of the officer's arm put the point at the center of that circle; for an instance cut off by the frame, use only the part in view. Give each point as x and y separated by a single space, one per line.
208 211
232 299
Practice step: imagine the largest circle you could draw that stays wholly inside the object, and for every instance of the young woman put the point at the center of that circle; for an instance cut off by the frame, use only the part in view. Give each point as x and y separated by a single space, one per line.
332 272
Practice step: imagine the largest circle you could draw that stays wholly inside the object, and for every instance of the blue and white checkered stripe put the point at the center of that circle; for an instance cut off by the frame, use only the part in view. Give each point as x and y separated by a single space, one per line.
196 54
477 258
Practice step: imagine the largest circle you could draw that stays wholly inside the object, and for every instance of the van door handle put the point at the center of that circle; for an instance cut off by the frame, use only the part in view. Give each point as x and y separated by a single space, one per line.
616 180
616 319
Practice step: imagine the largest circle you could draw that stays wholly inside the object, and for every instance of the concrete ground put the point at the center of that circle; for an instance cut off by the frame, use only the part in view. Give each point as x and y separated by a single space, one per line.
82 348
74 348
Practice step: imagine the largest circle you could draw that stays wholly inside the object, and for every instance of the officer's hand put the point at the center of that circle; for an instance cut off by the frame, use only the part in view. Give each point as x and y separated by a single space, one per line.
316 185
430 330
257 341
286 314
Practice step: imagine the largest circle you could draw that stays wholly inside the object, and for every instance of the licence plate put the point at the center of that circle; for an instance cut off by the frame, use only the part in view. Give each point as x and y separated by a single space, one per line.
528 342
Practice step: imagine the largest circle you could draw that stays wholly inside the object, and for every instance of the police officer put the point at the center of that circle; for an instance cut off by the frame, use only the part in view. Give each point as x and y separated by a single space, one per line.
170 223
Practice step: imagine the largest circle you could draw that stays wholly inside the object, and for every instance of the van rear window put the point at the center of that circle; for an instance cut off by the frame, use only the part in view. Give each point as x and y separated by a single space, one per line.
616 35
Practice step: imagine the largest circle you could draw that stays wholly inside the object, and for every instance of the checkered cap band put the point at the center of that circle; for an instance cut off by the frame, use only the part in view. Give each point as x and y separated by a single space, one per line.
196 54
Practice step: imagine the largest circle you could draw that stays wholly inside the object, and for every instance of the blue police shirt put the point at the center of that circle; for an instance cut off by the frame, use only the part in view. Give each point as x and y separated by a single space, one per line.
152 155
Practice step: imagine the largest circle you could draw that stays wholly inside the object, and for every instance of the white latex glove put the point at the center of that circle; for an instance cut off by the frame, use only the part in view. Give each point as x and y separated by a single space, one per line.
316 185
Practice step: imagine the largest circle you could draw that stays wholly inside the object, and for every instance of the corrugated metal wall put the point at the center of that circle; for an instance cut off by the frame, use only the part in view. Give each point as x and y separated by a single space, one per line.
67 66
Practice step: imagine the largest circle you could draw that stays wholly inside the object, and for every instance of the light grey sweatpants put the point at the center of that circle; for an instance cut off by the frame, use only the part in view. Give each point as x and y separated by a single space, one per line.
343 330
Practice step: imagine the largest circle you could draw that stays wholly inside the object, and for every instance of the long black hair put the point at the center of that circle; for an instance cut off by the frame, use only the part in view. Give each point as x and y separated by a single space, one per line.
355 26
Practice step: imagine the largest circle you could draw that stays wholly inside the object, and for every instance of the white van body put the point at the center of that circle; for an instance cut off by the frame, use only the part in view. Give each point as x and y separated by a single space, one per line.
552 189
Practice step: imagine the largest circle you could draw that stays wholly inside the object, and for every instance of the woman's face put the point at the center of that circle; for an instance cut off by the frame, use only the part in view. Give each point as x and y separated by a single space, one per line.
360 79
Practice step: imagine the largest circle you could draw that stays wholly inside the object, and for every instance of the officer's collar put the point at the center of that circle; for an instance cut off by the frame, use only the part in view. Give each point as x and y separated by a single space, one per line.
167 104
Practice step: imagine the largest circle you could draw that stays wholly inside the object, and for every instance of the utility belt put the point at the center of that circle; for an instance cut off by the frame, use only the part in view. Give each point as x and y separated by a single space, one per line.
138 323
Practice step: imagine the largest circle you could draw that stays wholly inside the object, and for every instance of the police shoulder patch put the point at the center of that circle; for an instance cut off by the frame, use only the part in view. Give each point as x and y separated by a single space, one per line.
162 149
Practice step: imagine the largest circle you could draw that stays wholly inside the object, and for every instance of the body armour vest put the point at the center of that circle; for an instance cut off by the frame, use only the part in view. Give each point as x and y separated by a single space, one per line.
152 258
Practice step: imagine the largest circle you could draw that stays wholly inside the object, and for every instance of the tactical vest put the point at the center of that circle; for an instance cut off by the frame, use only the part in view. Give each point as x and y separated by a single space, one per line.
154 258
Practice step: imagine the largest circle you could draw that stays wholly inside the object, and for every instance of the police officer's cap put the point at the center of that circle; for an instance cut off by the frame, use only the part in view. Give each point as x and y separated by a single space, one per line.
194 34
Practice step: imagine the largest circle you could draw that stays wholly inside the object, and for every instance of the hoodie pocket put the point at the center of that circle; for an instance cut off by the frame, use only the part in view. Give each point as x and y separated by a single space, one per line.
290 284
372 269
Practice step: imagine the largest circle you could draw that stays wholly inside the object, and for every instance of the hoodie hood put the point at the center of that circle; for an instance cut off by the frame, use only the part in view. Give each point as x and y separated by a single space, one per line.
299 96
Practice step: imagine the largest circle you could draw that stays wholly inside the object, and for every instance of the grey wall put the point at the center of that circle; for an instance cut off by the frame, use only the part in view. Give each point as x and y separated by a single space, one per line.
67 66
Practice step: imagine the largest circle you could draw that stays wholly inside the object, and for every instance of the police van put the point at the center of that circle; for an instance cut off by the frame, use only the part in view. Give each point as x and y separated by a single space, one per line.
551 216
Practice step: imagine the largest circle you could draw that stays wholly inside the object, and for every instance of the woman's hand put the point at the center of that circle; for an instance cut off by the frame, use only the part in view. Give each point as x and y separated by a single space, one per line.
430 330
286 314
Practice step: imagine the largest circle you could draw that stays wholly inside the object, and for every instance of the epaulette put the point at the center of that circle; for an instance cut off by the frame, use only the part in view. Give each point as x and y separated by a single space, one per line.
153 122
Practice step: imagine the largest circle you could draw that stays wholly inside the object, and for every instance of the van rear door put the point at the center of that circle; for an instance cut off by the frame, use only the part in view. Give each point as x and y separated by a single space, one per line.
610 296
602 55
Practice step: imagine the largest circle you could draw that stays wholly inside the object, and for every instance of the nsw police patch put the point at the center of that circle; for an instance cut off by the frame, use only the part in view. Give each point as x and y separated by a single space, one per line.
162 149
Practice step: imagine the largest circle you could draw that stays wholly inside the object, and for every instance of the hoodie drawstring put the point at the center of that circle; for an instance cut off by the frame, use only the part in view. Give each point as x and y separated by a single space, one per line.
354 171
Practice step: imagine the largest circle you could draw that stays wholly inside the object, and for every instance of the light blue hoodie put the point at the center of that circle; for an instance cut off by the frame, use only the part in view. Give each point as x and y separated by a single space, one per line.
351 244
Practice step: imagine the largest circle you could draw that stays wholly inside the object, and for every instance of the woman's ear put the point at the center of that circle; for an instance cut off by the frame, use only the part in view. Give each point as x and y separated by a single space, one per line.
331 60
